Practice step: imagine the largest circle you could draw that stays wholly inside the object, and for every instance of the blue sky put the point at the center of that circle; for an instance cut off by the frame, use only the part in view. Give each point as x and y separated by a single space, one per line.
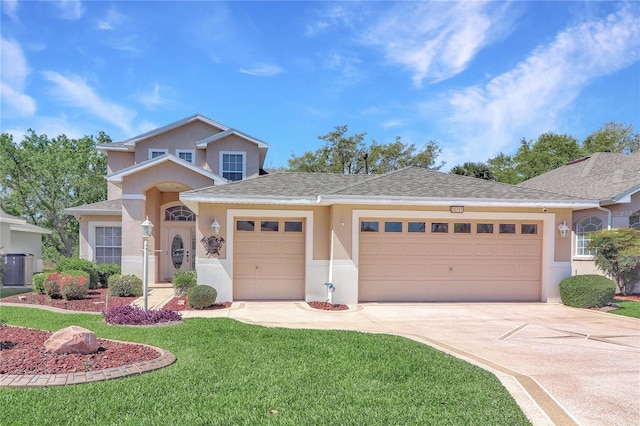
476 77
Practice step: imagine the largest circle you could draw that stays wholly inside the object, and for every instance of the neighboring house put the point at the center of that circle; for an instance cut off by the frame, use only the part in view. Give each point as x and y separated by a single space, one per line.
409 235
611 178
19 237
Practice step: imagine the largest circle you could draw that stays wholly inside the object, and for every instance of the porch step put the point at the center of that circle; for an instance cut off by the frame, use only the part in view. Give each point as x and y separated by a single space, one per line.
157 298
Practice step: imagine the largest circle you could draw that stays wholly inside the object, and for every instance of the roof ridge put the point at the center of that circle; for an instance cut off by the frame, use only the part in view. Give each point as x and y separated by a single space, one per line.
371 177
591 162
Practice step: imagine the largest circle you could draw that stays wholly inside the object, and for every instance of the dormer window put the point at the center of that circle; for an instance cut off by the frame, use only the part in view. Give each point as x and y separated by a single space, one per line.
233 165
154 152
186 155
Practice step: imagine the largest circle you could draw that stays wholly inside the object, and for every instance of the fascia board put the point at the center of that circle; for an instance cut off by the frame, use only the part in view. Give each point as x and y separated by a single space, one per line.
247 199
202 144
416 201
27 227
86 212
624 197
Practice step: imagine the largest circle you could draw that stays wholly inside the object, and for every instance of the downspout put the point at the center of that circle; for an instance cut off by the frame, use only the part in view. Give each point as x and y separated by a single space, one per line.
609 216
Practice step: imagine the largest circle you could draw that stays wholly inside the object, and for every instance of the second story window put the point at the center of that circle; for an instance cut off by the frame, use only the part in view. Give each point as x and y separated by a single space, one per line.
154 152
185 154
233 165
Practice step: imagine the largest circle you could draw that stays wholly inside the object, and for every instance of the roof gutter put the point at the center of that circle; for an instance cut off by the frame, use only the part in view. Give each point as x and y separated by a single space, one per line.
472 202
247 199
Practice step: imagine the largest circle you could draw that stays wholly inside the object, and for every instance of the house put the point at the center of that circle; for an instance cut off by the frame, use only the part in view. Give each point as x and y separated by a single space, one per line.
611 178
19 237
409 235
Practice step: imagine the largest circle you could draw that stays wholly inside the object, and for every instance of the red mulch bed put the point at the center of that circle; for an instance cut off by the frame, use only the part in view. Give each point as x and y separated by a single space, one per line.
632 297
94 301
23 353
326 306
180 304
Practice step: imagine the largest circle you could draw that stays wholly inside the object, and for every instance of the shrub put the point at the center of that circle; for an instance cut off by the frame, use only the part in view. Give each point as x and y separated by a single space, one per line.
587 291
38 282
69 264
124 285
133 315
201 296
73 284
617 254
52 286
183 281
105 270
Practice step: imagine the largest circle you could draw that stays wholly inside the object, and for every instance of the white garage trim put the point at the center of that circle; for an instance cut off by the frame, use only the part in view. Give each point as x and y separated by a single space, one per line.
550 269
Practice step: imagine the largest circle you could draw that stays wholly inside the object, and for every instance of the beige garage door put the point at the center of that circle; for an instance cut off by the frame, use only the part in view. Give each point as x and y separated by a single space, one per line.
447 260
268 259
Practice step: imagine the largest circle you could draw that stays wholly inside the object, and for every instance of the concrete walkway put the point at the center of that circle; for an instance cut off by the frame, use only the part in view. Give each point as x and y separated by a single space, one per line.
562 365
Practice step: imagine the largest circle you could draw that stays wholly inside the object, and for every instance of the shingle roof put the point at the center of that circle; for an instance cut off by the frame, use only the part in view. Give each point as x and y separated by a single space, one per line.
603 176
409 183
108 207
284 184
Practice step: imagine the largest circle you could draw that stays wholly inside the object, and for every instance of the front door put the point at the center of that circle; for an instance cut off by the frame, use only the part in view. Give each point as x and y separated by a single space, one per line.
179 250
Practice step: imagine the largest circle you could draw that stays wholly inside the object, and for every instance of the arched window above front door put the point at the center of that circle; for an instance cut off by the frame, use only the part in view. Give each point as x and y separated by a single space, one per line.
179 214
583 230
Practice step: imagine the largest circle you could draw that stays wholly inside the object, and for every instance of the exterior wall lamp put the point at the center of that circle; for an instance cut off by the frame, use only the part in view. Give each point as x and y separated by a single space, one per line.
215 227
564 229
147 228
213 244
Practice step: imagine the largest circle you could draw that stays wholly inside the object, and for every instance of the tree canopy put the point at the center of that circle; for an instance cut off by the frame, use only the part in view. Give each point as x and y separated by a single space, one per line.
476 170
40 177
349 154
551 150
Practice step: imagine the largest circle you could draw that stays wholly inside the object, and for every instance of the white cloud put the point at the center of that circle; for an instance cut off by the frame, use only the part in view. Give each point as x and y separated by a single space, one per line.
529 99
13 80
262 70
74 91
112 21
10 8
333 15
152 99
71 10
437 40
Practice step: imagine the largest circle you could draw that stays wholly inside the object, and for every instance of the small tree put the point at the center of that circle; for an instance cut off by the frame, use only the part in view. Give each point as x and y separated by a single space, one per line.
617 254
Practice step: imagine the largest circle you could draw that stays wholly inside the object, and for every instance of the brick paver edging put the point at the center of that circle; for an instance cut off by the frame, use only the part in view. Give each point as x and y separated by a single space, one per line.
41 380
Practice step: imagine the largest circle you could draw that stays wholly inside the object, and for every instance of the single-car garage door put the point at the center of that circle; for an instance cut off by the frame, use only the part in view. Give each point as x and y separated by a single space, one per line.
268 259
448 260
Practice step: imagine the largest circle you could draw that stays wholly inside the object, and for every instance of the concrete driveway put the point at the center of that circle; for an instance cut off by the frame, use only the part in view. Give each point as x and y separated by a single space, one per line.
562 365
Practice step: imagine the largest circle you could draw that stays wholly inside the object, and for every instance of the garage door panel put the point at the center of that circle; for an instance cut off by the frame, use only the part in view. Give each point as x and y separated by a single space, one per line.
269 264
449 267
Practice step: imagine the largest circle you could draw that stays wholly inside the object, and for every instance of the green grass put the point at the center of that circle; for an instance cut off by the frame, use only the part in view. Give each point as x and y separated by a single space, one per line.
12 291
628 308
231 373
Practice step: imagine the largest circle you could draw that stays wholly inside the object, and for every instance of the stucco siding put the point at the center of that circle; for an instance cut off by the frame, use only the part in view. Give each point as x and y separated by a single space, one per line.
234 143
184 137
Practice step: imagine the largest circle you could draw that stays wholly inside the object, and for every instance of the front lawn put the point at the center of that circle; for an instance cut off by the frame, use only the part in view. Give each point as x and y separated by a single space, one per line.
232 373
628 308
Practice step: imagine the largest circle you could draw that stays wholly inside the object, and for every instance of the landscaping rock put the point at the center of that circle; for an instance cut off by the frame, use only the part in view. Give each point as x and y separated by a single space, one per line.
609 308
72 340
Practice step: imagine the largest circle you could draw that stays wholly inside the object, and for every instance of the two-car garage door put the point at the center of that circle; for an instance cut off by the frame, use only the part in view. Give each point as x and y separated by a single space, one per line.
447 260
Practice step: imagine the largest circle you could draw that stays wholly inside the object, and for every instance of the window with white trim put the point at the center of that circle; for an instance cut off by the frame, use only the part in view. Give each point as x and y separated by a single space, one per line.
186 155
583 230
233 165
155 152
634 220
108 244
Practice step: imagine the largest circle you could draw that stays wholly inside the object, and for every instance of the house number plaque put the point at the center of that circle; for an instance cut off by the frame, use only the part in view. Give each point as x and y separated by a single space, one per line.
457 209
